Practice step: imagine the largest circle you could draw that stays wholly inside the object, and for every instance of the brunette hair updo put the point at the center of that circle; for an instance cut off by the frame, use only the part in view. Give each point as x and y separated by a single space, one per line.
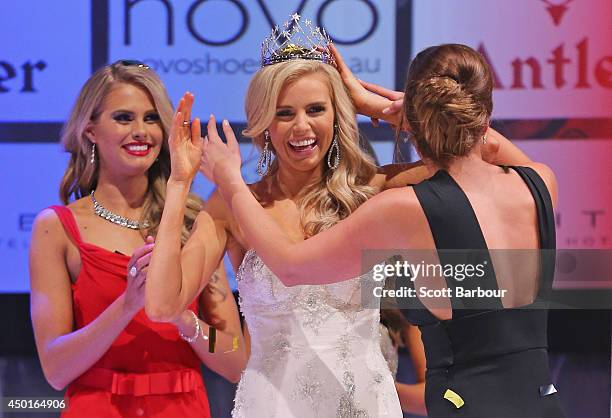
448 101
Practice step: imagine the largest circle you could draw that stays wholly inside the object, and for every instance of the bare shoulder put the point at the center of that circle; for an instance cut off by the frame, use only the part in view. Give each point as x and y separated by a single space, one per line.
395 201
543 170
48 234
400 175
389 218
47 223
548 176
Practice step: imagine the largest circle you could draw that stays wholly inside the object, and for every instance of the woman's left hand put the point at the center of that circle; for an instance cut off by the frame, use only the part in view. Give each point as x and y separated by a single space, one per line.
221 162
395 110
185 142
137 275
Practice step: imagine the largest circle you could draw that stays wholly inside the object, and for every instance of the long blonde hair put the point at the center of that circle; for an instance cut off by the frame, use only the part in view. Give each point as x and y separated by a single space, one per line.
81 177
339 192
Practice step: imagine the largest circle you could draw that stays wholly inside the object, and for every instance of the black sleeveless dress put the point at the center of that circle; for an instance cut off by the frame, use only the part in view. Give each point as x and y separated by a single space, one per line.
487 361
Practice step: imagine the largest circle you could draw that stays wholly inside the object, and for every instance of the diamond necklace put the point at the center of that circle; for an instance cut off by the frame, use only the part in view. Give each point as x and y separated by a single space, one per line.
102 212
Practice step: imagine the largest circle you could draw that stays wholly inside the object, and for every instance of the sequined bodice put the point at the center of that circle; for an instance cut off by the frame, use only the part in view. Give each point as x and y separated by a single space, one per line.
315 350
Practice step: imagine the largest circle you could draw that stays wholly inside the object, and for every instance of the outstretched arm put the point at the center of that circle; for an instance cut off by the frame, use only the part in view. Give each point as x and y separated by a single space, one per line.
497 150
328 257
379 102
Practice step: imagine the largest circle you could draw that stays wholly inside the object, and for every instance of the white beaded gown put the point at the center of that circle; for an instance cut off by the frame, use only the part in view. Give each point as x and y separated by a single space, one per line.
315 350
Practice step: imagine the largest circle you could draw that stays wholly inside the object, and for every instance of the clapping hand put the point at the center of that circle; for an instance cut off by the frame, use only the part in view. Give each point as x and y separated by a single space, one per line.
185 142
221 162
137 274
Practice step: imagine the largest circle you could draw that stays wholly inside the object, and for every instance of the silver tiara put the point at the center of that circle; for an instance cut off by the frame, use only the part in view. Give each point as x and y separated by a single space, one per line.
296 41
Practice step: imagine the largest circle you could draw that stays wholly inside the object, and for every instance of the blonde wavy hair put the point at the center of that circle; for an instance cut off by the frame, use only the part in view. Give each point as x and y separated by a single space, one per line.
339 192
81 177
448 101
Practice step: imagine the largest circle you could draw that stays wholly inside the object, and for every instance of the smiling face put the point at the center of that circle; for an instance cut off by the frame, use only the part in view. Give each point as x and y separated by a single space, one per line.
127 131
303 125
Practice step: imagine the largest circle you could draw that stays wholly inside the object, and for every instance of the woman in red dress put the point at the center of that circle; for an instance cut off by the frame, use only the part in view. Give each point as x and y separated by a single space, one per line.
87 292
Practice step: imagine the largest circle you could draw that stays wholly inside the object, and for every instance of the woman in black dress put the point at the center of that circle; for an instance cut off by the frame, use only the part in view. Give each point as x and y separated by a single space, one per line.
485 357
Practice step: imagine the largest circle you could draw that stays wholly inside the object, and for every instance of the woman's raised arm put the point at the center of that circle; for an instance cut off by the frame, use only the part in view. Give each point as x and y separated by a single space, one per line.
178 275
327 257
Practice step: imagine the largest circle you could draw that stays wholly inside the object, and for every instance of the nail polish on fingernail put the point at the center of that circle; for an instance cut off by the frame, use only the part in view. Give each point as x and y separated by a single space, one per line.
225 122
386 110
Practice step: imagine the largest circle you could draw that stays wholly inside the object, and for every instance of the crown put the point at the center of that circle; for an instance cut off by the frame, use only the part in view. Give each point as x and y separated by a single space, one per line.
296 41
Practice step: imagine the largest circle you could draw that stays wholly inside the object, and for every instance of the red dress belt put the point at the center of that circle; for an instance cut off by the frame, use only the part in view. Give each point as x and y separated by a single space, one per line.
140 384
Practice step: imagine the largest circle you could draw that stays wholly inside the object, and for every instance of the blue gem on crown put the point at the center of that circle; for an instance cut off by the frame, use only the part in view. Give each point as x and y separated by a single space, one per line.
296 41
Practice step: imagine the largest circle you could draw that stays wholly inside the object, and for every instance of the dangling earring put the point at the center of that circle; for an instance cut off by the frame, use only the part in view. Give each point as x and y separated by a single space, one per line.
265 158
92 160
335 145
484 139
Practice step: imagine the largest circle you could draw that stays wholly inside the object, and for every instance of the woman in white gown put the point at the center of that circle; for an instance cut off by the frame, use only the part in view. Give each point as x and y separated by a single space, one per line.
314 350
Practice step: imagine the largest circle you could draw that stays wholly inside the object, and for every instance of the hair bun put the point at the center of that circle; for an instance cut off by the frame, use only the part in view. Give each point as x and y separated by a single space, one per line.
446 88
449 96
449 89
